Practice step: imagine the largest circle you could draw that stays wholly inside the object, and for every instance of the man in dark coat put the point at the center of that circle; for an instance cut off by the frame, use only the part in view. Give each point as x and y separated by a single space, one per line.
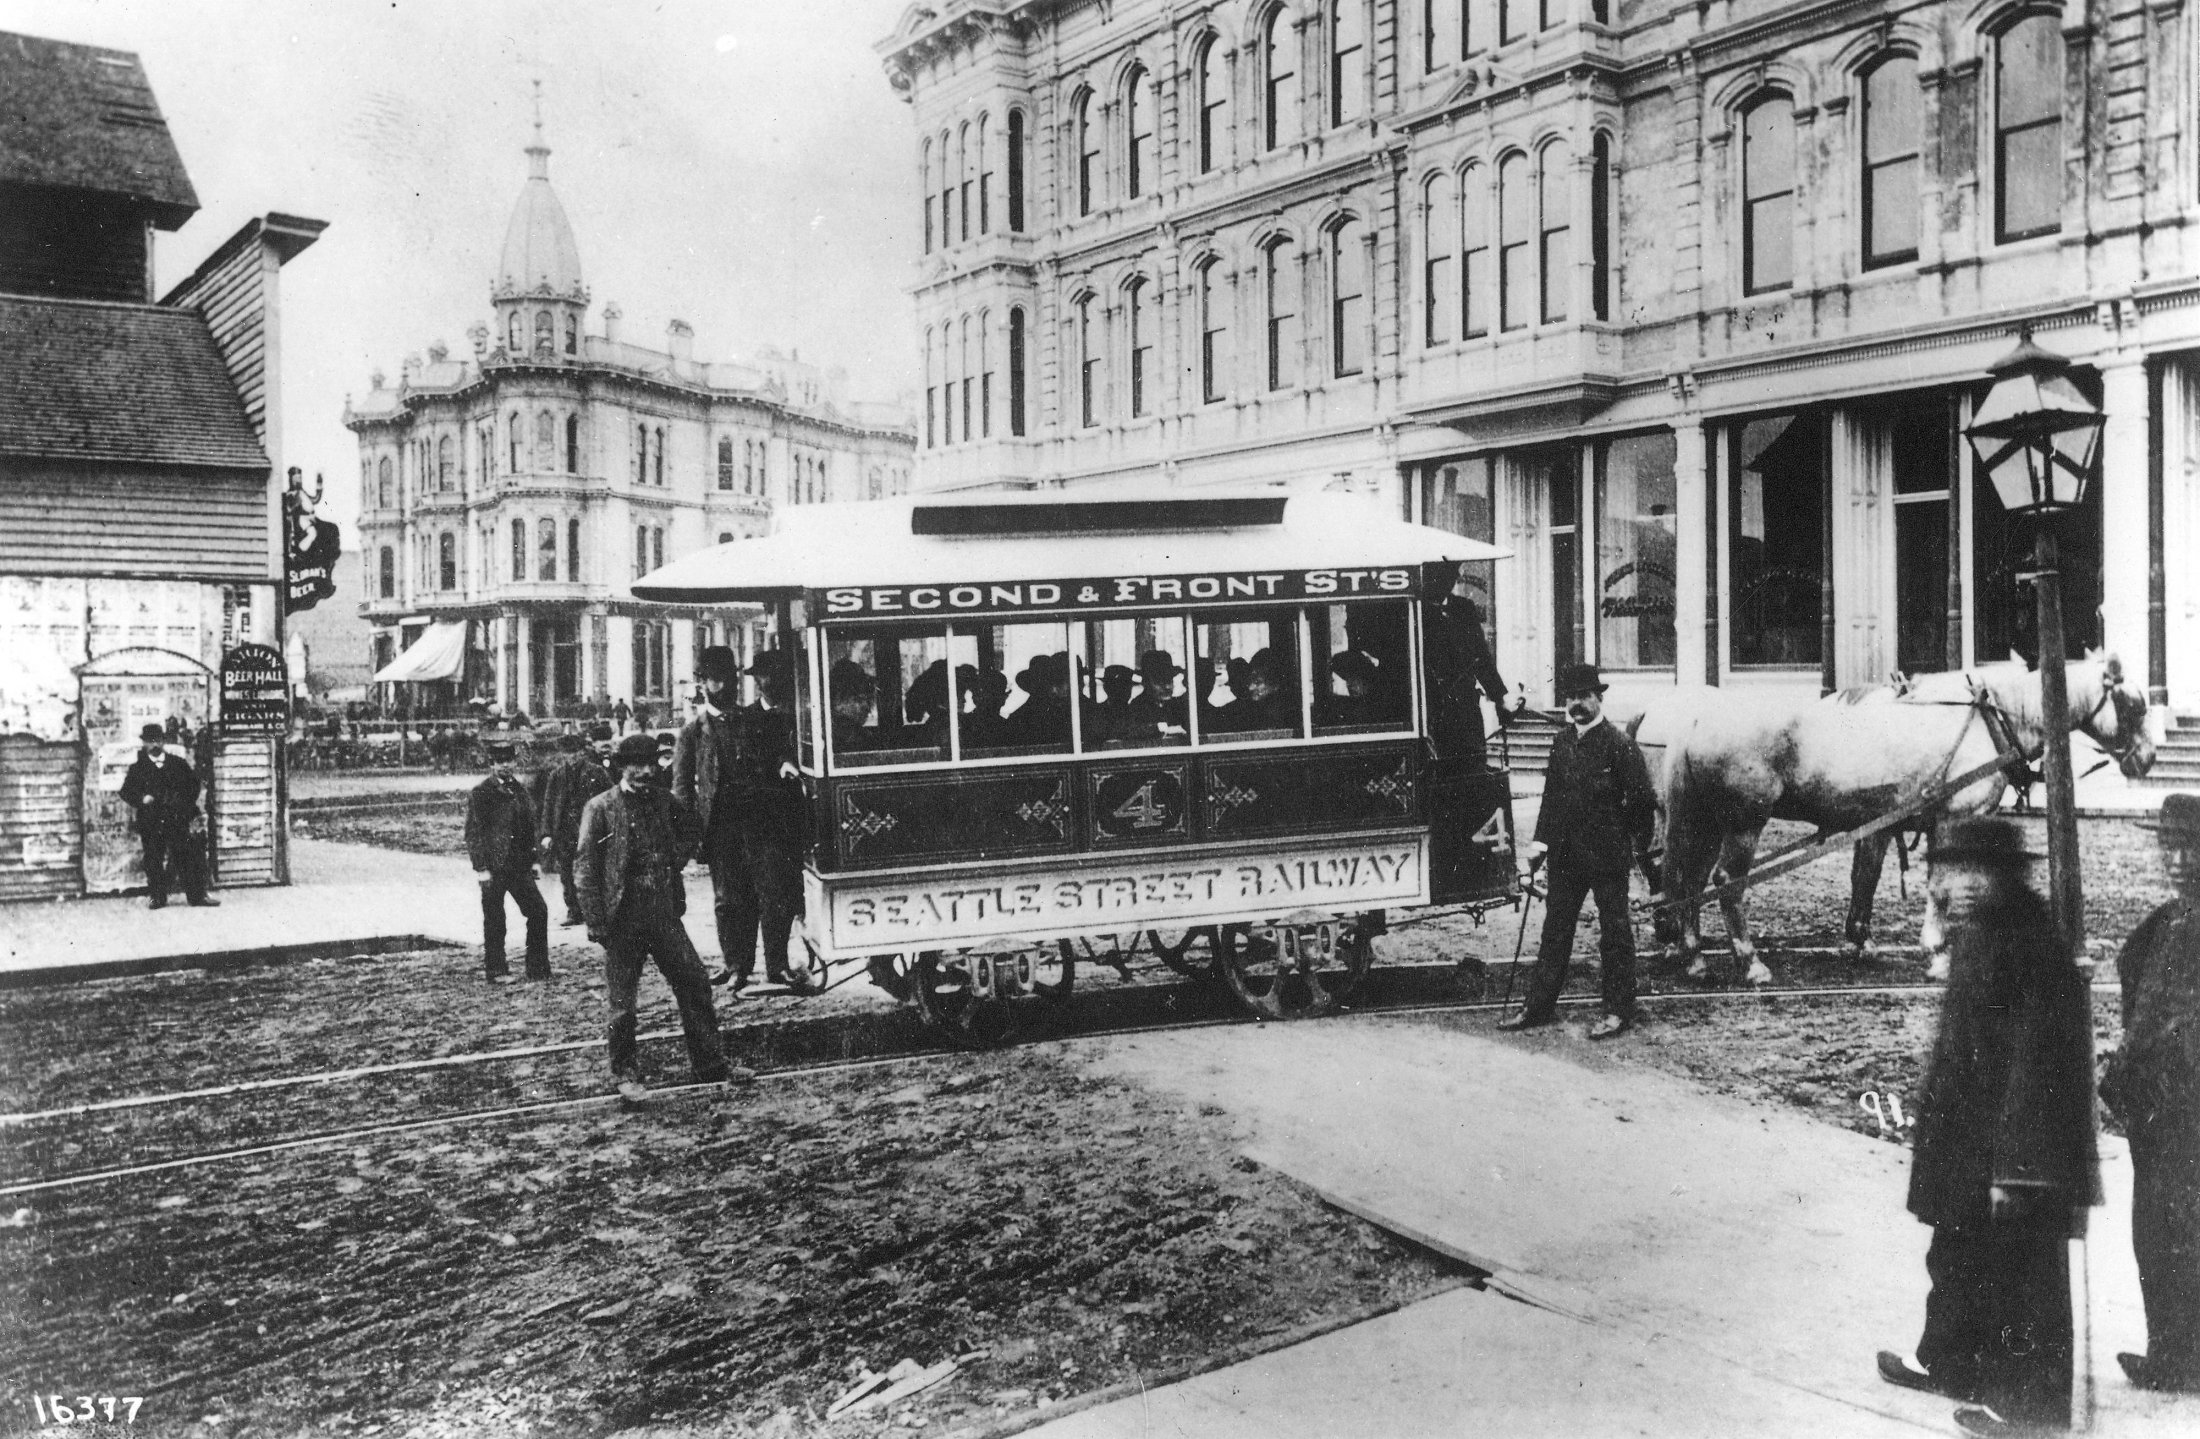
634 841
734 766
1597 814
1457 659
2153 1084
162 791
500 839
577 777
2004 1163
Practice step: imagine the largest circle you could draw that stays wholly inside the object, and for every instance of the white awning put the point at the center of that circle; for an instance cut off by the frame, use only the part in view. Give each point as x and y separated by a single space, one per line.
436 655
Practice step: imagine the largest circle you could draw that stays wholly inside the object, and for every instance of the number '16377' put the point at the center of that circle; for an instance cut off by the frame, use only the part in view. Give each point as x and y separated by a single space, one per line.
87 1408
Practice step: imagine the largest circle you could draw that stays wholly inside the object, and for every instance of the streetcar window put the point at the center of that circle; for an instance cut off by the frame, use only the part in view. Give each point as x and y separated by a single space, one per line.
887 694
1132 692
805 706
1362 674
1015 683
1247 677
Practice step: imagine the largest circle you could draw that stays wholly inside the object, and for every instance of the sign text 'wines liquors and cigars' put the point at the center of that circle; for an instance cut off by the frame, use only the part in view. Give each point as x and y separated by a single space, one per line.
255 691
1121 592
866 915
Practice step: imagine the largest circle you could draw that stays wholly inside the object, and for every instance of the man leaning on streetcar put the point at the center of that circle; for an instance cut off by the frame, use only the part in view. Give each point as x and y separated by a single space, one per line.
1598 812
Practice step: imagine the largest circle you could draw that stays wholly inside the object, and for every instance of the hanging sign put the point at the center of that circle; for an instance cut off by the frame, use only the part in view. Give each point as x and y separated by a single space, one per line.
311 547
255 691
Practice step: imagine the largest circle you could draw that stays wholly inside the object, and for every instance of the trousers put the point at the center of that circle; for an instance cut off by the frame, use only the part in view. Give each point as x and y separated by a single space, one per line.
520 885
1615 941
2165 1238
172 855
755 885
565 862
1997 1322
647 929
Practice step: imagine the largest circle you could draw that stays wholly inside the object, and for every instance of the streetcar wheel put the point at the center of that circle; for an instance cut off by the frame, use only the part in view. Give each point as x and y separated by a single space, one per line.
1175 949
1273 984
983 999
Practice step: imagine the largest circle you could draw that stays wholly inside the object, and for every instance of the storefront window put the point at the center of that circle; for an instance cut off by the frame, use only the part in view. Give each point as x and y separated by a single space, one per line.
1776 532
1557 474
1921 451
1635 555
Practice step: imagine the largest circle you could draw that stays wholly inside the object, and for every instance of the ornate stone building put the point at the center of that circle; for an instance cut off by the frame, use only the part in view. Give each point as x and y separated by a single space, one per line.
508 499
1688 304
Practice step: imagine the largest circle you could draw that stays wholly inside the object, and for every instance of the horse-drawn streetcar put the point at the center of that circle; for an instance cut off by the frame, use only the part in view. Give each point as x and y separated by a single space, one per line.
1032 725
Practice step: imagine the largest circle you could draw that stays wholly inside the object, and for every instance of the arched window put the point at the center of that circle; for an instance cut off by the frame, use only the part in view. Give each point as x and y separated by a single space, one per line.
1893 123
1016 371
985 175
947 388
2028 89
1138 333
1280 301
763 467
1555 208
985 374
386 567
1600 226
1444 33
572 444
546 335
924 167
1279 75
1515 232
1138 112
931 390
1768 194
874 485
1088 363
446 561
947 189
962 183
1214 100
515 334
385 483
1016 171
1347 299
1347 60
519 549
572 334
641 551
966 368
641 454
824 478
1088 153
725 462
1214 333
446 470
659 473
573 551
546 440
1439 256
546 548
515 436
1477 276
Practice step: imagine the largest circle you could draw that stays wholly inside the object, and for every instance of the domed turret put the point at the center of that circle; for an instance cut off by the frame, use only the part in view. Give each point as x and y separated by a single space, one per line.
538 291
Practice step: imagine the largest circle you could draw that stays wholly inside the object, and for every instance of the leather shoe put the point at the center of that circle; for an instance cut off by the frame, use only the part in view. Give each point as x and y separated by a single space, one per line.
1513 1024
632 1091
1609 1027
1974 1419
207 902
1898 1371
2142 1375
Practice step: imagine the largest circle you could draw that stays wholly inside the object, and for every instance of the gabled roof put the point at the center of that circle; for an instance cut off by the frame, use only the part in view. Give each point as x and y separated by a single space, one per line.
142 384
80 117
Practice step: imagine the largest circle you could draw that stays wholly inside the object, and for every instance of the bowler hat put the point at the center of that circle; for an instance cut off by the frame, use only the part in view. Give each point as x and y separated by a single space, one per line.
1117 675
497 749
152 734
774 662
2179 824
849 679
1982 841
598 733
1353 665
718 663
1158 662
637 749
1580 680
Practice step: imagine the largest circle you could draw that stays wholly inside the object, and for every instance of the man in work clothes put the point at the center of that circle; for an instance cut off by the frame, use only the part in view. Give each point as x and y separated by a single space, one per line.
1598 813
735 768
162 791
577 778
2004 1161
2153 1084
634 841
500 839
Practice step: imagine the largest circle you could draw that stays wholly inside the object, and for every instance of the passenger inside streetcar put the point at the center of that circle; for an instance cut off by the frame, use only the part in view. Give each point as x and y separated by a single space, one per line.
1157 709
1357 672
1110 723
854 694
984 693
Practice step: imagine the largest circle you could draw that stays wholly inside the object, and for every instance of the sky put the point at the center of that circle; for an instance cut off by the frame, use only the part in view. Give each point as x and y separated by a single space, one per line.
738 164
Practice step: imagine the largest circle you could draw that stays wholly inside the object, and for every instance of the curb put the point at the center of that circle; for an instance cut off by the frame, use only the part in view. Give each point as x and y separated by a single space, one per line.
221 960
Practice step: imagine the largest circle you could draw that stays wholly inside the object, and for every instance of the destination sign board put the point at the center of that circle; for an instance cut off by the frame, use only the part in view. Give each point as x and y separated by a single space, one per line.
868 914
1120 592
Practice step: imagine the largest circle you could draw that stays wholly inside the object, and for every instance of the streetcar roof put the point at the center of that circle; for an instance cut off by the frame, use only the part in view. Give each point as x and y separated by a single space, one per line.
1008 539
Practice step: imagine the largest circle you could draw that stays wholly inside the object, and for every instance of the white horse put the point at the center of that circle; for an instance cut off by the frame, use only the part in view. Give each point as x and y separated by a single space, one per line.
1733 760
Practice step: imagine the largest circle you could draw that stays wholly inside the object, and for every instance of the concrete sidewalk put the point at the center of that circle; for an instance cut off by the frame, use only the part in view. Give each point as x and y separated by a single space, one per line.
1696 1265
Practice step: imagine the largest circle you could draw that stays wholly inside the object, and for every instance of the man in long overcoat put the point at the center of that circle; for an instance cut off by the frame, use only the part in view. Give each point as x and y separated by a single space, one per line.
1458 661
734 766
1597 814
577 777
634 841
500 840
2004 1165
2153 1084
162 790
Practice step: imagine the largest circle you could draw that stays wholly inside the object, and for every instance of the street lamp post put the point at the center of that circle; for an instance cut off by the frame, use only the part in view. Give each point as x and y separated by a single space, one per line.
2035 435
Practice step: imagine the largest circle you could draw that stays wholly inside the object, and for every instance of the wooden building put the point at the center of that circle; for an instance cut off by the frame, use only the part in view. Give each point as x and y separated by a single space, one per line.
139 518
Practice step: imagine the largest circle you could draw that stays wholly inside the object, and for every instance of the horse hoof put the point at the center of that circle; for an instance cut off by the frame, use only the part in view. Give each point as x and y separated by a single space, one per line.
1758 974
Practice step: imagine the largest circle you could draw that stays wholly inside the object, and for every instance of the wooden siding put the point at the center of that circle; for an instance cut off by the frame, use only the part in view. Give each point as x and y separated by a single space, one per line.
241 819
233 297
40 838
61 519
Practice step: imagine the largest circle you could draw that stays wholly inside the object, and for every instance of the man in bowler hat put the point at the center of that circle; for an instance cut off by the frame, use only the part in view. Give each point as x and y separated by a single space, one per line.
2153 1085
500 839
1458 660
2003 1166
734 766
634 841
162 791
1598 813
